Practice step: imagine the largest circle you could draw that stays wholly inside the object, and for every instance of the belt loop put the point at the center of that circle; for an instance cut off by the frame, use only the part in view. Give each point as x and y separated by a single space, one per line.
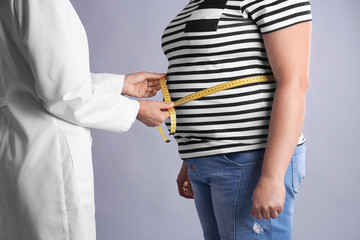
2 102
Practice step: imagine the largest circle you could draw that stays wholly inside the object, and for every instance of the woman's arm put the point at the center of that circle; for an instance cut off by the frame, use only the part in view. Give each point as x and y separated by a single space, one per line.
288 52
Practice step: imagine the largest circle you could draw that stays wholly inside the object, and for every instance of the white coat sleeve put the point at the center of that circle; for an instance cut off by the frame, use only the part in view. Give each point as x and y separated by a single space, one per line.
58 54
107 82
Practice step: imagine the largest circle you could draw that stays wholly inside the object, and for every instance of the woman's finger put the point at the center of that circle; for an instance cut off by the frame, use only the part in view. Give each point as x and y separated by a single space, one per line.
188 187
256 213
186 190
274 214
265 214
188 193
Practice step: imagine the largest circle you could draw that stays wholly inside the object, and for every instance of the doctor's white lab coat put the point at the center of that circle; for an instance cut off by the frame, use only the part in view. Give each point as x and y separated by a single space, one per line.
48 101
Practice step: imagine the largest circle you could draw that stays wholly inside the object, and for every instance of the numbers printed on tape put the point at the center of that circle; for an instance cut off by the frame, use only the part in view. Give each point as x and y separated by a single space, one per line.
203 93
167 99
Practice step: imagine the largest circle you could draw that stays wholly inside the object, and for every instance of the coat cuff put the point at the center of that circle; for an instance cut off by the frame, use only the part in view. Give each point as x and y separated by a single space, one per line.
128 116
117 84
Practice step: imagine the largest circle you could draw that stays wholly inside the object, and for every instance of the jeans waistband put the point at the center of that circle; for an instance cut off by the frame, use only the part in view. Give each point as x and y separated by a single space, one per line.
2 102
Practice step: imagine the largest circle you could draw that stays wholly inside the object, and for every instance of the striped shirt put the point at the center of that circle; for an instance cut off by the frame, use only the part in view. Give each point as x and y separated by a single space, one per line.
215 41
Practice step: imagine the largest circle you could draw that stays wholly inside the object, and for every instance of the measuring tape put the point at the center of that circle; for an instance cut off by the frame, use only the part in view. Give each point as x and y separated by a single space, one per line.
203 93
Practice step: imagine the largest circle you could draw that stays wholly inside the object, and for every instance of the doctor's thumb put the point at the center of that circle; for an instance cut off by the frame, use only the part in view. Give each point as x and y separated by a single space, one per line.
164 105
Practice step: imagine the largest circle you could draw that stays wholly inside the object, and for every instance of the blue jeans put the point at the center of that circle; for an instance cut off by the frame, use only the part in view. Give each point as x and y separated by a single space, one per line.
223 187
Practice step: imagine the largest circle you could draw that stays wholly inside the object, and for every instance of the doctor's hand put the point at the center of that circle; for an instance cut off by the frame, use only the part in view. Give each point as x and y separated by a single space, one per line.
142 84
268 198
153 113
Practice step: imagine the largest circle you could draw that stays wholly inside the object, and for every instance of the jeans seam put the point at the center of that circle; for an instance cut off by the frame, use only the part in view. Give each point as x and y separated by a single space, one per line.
236 203
295 188
271 235
292 176
302 152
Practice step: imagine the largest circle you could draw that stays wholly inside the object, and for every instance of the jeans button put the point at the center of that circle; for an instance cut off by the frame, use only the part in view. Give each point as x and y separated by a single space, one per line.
192 167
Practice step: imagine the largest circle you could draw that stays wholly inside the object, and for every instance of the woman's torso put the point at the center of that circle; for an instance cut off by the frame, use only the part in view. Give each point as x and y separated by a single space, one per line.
208 43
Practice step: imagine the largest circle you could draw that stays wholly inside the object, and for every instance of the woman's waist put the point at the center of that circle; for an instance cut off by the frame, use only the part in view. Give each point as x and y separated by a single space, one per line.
238 92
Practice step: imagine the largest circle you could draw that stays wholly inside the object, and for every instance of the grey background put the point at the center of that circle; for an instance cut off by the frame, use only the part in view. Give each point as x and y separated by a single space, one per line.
136 193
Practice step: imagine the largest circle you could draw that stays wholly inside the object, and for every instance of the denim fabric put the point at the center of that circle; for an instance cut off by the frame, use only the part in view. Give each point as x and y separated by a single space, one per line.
223 186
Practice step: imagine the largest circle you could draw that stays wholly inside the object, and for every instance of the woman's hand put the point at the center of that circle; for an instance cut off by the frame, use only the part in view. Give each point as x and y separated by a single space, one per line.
184 184
268 198
142 84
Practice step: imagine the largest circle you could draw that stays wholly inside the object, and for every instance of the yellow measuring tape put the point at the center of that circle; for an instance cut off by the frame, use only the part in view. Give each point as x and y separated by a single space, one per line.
203 93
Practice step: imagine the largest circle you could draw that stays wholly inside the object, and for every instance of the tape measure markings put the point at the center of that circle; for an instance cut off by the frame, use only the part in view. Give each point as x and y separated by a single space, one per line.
203 93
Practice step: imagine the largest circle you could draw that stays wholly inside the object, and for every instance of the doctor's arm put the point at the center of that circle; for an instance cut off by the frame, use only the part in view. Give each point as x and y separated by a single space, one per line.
288 52
58 53
140 85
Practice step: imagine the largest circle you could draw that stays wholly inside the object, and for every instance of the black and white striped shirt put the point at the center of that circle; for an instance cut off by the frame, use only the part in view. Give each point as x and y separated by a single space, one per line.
215 41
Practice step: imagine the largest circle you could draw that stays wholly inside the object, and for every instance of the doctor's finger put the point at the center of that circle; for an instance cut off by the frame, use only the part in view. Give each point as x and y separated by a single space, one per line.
149 75
150 94
152 88
164 105
164 115
153 82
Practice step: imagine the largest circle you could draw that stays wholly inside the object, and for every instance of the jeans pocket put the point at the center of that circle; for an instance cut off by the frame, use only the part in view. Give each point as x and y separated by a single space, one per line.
298 171
192 169
80 151
245 158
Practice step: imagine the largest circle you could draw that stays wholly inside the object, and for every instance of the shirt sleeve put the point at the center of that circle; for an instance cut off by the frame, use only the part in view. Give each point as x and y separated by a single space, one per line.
273 15
57 50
